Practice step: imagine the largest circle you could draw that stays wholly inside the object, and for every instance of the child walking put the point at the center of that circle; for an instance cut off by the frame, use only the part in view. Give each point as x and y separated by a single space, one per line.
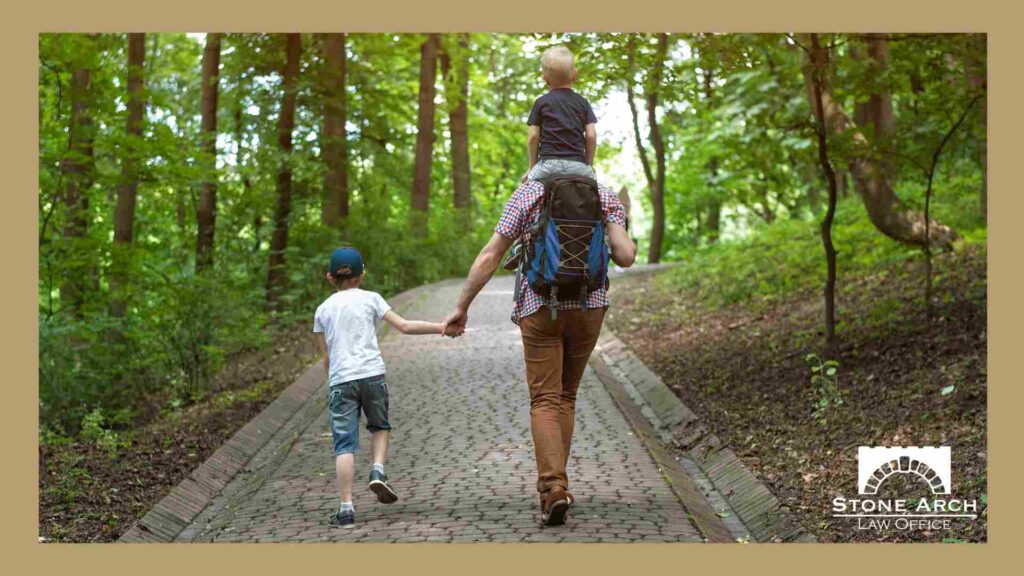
345 329
562 136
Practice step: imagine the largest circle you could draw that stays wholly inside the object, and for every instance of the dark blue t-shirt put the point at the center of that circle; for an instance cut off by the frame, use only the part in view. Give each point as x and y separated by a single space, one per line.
561 115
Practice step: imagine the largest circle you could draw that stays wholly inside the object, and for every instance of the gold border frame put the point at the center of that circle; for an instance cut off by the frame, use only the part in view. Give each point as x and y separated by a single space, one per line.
20 338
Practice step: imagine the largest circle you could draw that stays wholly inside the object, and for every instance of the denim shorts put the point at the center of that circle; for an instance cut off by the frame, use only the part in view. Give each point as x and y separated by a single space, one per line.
549 168
345 400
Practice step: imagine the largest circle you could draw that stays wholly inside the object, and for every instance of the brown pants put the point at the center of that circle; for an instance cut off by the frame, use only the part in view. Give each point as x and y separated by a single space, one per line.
556 353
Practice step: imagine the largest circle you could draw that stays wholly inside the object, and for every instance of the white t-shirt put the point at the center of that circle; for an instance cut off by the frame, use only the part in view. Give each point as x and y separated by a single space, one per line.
347 320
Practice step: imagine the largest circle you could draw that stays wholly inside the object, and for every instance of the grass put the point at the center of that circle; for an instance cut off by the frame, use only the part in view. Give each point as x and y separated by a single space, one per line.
72 480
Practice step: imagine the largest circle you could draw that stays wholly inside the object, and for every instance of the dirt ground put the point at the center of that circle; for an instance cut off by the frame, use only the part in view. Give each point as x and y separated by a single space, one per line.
742 368
87 494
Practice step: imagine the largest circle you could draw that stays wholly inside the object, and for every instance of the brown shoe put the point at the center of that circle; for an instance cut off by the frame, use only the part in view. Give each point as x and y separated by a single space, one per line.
568 496
554 507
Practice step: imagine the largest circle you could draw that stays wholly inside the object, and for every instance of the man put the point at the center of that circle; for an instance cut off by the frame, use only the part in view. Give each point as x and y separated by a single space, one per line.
556 349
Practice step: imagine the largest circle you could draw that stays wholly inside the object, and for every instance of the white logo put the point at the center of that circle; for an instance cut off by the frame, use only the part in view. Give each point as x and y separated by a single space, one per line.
875 464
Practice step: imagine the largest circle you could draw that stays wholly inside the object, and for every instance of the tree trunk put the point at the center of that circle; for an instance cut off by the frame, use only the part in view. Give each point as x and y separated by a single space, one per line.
283 206
124 211
334 145
714 220
457 77
816 71
77 170
714 203
928 200
871 176
876 112
655 181
420 203
206 214
658 193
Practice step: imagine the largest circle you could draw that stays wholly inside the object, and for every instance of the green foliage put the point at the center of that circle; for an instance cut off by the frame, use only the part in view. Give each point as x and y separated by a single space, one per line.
179 328
94 430
172 344
72 479
825 385
737 146
786 256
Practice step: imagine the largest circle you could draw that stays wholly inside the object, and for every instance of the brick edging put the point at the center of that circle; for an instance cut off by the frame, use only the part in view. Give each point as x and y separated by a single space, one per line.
719 472
178 509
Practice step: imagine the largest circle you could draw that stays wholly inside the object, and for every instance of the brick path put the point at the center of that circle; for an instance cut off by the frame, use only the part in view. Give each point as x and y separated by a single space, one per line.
461 455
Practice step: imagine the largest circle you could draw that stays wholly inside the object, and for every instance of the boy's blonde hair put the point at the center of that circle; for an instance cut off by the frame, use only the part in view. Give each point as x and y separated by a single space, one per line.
556 65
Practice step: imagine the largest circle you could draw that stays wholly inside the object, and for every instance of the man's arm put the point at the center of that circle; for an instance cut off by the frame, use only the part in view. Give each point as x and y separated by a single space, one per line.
321 344
622 247
483 268
590 135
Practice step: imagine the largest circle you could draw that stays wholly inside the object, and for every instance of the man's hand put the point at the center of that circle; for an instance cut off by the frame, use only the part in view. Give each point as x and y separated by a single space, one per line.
526 176
455 324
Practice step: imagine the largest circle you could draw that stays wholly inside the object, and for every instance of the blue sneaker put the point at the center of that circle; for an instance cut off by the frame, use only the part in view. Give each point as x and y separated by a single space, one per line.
379 485
343 518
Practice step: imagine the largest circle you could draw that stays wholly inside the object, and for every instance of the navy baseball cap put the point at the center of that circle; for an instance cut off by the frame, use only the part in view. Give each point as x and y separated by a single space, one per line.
347 258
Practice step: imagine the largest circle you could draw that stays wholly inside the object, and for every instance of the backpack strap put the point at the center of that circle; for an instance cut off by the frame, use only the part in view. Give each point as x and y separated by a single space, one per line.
519 278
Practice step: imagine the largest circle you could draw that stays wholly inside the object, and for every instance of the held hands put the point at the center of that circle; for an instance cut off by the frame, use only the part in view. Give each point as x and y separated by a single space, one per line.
455 324
452 331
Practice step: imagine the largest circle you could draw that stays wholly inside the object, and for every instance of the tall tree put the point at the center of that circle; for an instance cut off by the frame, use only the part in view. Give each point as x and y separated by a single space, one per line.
457 94
420 201
124 211
655 180
815 69
206 214
871 171
333 140
714 207
78 172
283 206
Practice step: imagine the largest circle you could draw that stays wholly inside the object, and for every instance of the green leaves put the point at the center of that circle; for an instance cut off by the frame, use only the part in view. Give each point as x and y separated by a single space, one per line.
825 384
741 171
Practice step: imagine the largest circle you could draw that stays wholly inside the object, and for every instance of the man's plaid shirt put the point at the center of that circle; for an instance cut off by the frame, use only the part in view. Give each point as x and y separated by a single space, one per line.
521 210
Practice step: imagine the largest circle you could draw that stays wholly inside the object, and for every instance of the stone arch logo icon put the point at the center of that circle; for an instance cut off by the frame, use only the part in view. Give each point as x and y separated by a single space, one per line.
875 464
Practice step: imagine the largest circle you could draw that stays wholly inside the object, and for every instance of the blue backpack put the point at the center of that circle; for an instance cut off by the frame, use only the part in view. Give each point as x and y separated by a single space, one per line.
566 252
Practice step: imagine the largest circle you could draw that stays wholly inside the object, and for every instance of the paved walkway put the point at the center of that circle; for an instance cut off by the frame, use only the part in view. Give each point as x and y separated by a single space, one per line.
461 455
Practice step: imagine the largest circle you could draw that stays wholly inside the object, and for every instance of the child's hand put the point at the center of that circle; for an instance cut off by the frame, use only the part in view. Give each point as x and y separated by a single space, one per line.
455 324
453 330
526 176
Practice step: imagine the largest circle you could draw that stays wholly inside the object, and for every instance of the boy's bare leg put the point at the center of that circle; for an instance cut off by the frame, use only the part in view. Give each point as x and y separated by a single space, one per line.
345 466
378 480
380 445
